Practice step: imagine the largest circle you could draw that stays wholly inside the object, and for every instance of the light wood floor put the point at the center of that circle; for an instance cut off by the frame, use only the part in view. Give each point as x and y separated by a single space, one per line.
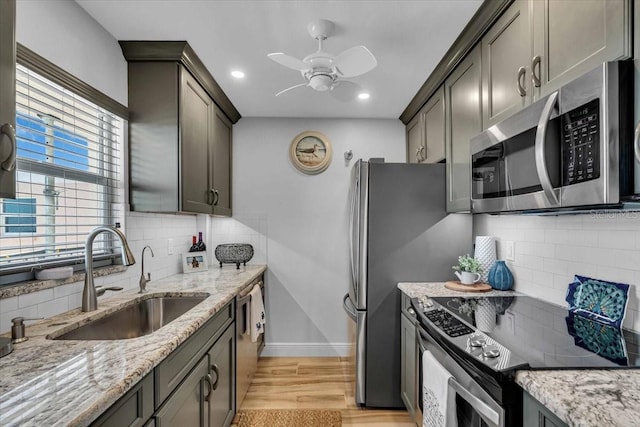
315 383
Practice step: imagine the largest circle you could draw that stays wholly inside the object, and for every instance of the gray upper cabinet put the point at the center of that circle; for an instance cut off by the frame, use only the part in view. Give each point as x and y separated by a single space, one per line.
463 121
569 41
7 99
180 130
425 133
415 140
506 53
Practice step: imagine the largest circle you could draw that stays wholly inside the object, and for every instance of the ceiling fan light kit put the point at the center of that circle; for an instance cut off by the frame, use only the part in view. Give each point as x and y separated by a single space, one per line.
326 72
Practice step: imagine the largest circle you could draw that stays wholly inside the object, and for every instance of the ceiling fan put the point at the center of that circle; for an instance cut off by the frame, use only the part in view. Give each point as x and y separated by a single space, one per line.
326 72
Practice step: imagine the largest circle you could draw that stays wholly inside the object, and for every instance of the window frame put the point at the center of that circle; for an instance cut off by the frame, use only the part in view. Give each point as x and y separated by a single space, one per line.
34 62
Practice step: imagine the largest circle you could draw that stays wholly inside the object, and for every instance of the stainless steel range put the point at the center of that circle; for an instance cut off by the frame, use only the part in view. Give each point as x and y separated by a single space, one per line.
483 341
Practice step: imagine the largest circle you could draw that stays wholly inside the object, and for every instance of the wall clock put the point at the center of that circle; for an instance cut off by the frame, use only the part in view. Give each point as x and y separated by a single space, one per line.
310 152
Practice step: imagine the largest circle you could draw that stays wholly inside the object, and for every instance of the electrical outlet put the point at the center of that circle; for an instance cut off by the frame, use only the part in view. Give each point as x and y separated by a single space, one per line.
170 247
510 250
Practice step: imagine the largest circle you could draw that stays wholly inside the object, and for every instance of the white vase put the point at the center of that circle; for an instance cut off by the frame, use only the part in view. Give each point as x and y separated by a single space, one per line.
485 253
485 316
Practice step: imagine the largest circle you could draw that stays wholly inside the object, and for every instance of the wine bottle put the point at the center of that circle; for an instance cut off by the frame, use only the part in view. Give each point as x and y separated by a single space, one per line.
201 246
194 245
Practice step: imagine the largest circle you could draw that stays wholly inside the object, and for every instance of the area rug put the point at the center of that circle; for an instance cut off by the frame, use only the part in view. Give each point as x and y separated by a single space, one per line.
289 418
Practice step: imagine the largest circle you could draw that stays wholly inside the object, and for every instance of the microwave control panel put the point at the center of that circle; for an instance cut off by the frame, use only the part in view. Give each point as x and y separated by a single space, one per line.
581 143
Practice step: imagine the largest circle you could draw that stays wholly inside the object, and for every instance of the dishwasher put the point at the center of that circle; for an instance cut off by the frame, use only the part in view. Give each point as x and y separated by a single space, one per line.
247 352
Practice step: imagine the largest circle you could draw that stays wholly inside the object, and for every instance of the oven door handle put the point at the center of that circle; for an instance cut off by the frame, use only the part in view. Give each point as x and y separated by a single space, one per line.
478 405
541 136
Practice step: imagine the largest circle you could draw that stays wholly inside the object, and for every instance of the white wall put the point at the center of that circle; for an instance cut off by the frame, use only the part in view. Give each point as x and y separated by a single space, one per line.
62 32
66 35
303 221
550 250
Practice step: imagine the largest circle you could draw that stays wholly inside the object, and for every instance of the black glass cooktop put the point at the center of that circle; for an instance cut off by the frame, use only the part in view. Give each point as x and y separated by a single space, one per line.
547 336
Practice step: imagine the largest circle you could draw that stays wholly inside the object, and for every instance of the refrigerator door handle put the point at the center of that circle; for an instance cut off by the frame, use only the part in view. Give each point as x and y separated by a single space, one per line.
349 308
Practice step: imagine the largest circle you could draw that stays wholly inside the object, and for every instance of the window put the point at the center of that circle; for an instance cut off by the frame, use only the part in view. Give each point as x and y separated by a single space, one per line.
68 161
19 216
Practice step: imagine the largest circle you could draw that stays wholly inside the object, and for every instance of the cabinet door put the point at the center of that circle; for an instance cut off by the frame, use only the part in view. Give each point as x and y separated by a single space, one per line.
572 38
222 365
506 54
7 99
463 121
434 127
221 163
196 111
186 406
415 139
408 371
534 414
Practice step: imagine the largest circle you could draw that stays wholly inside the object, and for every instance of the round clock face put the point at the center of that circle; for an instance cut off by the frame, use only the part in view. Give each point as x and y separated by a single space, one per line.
310 152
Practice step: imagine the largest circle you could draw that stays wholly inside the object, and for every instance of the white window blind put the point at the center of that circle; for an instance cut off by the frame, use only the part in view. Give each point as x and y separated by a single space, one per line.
68 162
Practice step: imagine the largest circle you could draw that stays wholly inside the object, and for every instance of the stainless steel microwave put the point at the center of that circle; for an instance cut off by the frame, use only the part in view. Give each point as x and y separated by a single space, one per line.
572 148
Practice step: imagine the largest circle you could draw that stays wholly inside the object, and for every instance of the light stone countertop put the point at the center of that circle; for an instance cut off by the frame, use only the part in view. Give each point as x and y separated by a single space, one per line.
585 398
70 383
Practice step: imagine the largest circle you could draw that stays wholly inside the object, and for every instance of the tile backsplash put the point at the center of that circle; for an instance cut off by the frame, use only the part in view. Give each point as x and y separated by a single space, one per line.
141 229
550 250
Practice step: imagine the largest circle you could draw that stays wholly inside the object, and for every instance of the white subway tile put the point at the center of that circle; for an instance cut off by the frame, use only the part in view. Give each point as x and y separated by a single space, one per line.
8 304
66 290
5 318
53 307
35 298
615 239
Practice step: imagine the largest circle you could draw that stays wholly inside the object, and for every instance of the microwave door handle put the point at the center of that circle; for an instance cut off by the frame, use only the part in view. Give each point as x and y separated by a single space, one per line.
478 405
541 136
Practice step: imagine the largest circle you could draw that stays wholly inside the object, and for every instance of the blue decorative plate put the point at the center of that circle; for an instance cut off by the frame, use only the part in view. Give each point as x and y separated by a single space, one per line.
603 340
599 300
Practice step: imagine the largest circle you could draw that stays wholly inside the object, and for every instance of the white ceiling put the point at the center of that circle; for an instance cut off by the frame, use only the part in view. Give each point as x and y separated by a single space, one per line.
407 37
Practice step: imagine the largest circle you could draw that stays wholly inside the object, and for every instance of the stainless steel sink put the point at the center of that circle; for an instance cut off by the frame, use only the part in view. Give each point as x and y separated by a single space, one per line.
141 318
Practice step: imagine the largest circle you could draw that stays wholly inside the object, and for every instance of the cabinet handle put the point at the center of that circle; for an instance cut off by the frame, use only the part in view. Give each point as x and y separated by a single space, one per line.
212 191
520 82
535 78
10 162
216 197
209 382
419 156
636 143
214 368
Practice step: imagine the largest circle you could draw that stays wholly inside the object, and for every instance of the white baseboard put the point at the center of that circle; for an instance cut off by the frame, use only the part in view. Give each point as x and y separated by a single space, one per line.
310 349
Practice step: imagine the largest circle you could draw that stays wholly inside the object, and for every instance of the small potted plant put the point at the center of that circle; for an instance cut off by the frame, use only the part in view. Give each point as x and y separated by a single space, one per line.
468 269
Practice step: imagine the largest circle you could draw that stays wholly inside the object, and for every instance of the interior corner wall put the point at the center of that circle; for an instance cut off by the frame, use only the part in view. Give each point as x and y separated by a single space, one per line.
303 220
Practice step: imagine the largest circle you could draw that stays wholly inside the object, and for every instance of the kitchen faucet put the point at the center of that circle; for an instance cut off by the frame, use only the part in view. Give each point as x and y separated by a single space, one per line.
145 280
89 293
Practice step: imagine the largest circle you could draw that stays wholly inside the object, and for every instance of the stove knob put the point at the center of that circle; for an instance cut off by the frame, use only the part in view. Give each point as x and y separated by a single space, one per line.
490 351
477 341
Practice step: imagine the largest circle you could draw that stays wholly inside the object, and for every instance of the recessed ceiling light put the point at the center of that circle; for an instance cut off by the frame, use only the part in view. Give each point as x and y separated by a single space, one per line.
237 74
363 95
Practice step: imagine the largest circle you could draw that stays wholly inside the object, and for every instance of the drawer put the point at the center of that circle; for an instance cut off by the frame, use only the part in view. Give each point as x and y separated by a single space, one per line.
171 371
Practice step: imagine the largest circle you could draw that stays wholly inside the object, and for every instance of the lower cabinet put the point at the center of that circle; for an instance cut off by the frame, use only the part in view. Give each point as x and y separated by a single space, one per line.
535 414
193 386
187 406
409 369
133 409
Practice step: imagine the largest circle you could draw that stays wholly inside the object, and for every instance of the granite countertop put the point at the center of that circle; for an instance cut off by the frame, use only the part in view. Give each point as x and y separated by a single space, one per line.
587 397
70 383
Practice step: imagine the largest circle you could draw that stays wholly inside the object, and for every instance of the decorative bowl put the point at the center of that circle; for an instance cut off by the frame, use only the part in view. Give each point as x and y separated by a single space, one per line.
234 253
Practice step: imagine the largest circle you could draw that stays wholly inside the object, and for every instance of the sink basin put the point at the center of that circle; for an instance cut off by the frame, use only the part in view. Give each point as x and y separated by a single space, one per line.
141 318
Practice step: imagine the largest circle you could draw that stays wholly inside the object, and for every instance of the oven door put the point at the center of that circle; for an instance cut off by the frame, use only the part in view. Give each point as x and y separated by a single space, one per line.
474 406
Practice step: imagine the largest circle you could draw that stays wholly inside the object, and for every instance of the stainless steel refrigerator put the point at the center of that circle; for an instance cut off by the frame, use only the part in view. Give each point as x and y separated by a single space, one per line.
399 232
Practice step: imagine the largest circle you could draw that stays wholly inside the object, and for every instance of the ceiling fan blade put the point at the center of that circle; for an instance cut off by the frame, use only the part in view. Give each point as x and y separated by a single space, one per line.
355 61
292 87
345 91
288 61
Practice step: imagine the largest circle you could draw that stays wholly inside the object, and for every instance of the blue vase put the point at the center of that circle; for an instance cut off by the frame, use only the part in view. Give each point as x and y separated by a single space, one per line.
500 276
